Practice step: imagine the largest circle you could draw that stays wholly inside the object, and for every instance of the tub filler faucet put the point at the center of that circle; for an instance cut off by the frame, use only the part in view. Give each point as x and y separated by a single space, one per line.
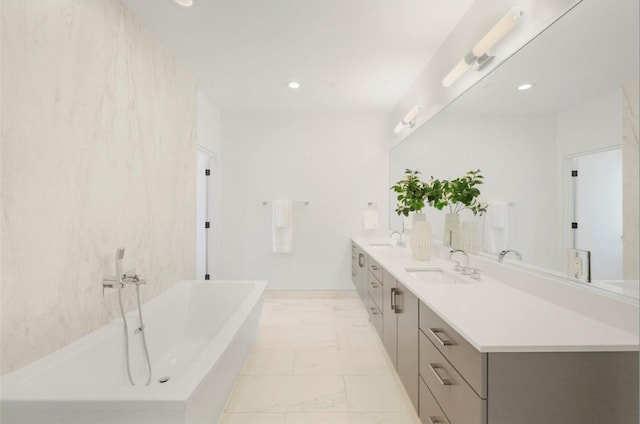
120 280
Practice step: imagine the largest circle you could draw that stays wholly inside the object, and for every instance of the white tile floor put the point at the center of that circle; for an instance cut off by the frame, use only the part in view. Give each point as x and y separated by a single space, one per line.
317 360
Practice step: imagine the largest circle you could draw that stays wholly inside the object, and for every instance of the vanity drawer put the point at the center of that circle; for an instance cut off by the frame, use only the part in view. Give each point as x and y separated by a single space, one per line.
454 395
375 316
430 412
470 363
375 269
375 290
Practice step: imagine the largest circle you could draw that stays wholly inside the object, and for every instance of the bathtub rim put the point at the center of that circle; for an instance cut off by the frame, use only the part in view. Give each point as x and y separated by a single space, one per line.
32 396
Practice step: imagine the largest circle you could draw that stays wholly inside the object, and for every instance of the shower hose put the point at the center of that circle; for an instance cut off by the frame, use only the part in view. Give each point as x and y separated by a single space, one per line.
126 336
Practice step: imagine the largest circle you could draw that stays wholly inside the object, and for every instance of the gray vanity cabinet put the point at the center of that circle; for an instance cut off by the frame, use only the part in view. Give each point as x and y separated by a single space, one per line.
359 271
400 332
390 321
470 387
374 294
407 305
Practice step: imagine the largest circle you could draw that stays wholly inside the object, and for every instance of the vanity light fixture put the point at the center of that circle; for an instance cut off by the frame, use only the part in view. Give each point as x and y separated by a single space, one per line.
478 54
184 3
525 86
409 120
293 84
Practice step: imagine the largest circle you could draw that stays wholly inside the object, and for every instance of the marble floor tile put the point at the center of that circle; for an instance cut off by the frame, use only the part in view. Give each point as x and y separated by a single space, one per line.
318 360
358 339
270 362
233 418
319 338
352 418
376 394
342 362
255 393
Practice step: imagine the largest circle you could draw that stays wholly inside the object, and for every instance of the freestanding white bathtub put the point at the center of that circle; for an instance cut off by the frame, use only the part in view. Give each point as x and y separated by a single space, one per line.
199 334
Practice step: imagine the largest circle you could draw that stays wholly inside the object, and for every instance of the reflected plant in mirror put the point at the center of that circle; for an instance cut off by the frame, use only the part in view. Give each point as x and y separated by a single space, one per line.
462 193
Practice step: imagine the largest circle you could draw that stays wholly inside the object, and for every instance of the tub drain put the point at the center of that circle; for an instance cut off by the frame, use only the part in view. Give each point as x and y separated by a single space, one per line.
163 380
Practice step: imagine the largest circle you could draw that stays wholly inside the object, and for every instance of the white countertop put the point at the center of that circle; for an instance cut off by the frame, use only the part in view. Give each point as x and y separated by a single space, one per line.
495 317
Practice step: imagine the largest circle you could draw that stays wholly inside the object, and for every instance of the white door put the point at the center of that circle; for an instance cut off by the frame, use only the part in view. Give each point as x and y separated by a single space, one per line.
205 210
598 211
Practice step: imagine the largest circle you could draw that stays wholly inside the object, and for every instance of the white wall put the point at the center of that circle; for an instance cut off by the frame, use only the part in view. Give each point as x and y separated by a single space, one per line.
98 140
336 161
209 131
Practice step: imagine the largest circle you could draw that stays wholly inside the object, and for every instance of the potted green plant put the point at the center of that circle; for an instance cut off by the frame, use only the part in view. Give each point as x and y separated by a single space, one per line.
413 194
411 191
458 194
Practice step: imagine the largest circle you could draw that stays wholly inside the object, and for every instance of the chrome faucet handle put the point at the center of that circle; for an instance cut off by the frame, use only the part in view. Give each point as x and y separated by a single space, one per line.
475 273
133 279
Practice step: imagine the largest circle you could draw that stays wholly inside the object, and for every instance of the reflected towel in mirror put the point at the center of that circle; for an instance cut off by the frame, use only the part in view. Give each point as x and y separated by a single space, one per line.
495 227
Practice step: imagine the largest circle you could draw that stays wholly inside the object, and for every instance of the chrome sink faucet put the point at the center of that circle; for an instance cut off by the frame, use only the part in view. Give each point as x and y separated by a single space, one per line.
400 241
459 268
504 253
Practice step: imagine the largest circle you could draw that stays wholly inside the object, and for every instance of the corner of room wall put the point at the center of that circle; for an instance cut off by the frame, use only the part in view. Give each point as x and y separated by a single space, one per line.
209 132
99 137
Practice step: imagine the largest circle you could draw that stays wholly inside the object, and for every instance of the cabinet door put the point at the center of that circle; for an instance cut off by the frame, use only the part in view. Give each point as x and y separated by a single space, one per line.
361 281
408 341
390 327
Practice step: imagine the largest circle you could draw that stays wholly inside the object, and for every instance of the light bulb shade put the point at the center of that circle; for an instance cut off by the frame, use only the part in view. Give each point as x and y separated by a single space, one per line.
498 31
455 73
411 115
398 129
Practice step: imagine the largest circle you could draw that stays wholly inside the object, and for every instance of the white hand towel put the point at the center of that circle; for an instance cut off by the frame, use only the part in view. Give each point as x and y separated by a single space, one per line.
495 227
370 219
282 213
282 226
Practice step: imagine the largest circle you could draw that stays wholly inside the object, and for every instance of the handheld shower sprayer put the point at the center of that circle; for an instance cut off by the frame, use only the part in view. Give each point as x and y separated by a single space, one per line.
119 257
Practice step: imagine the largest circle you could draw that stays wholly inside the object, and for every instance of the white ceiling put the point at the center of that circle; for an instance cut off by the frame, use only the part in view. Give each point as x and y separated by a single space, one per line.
349 55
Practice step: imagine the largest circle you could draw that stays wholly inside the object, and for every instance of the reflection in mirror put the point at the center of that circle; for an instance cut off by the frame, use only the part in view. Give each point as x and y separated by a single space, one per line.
581 114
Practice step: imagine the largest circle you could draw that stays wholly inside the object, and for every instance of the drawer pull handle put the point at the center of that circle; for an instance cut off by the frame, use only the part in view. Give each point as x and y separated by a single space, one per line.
443 381
361 260
433 420
374 285
443 342
393 298
375 268
374 311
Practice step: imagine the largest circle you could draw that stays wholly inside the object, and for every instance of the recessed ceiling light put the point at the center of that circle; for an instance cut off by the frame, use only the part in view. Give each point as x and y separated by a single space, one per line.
525 86
293 84
184 3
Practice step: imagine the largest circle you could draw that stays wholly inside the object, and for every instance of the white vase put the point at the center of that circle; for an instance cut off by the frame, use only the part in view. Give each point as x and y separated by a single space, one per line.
421 237
451 229
468 240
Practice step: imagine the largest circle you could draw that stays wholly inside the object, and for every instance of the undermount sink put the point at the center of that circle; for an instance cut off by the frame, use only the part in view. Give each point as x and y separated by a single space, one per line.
433 276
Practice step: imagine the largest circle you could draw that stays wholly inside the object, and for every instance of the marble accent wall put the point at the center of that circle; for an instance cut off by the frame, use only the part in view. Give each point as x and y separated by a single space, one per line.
98 152
630 177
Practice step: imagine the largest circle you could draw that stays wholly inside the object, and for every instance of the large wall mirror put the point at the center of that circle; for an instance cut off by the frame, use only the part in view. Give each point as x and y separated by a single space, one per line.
580 115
